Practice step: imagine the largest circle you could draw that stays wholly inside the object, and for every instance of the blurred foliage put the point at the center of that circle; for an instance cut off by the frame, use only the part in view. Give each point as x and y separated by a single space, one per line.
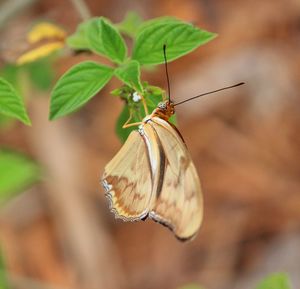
10 73
38 74
5 121
41 73
11 103
45 38
34 67
45 30
131 24
275 281
17 173
78 40
3 278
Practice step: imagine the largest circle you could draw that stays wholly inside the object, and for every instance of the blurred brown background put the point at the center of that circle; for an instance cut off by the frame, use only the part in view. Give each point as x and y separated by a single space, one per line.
245 144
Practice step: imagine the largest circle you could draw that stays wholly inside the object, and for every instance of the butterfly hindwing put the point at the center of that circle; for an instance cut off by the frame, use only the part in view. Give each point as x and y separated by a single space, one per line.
179 203
128 180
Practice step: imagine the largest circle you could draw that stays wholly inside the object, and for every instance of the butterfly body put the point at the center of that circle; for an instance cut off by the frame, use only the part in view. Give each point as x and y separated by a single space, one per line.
153 176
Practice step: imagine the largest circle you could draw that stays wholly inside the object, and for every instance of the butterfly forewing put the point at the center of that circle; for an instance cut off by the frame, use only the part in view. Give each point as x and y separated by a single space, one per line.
128 180
179 203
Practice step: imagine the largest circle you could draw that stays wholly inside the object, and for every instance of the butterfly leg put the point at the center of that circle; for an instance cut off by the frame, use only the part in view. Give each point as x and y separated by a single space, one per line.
127 124
131 124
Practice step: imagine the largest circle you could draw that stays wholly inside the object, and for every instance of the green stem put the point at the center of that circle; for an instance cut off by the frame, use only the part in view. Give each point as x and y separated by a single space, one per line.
82 9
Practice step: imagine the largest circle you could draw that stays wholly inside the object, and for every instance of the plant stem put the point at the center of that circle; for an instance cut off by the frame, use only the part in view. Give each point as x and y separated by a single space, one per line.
82 9
10 8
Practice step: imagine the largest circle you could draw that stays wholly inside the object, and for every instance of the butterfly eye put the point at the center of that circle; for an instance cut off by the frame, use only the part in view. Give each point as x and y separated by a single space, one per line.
162 105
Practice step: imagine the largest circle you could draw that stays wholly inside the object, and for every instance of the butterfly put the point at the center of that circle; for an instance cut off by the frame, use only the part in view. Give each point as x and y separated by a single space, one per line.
153 175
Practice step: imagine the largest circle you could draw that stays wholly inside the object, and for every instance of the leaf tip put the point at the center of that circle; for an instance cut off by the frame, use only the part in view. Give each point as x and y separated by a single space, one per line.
28 122
214 35
52 116
25 119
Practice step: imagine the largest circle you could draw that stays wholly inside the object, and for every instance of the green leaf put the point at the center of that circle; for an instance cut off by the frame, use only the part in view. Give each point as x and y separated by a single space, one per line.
180 38
77 86
130 25
121 132
79 40
105 39
3 278
11 104
5 121
10 73
41 73
125 92
129 73
17 173
158 20
275 281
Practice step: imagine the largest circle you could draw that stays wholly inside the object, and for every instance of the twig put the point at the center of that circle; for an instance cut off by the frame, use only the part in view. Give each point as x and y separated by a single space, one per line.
82 9
89 246
11 7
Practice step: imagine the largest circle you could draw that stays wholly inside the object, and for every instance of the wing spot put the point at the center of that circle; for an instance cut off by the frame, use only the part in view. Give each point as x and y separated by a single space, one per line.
184 162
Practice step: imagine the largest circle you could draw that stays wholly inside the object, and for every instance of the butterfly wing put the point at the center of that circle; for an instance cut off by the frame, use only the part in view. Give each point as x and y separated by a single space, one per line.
179 203
127 180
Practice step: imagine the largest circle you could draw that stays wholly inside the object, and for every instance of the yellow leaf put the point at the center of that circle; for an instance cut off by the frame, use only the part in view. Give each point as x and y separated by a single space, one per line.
45 30
39 52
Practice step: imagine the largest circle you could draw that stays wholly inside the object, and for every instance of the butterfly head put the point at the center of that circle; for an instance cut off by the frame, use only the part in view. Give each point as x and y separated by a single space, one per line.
164 110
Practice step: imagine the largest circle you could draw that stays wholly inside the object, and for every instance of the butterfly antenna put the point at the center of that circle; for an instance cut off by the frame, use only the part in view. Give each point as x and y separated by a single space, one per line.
166 66
210 92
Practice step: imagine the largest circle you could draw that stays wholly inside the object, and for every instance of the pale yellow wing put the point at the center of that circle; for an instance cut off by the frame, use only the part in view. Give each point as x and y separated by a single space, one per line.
127 180
179 203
